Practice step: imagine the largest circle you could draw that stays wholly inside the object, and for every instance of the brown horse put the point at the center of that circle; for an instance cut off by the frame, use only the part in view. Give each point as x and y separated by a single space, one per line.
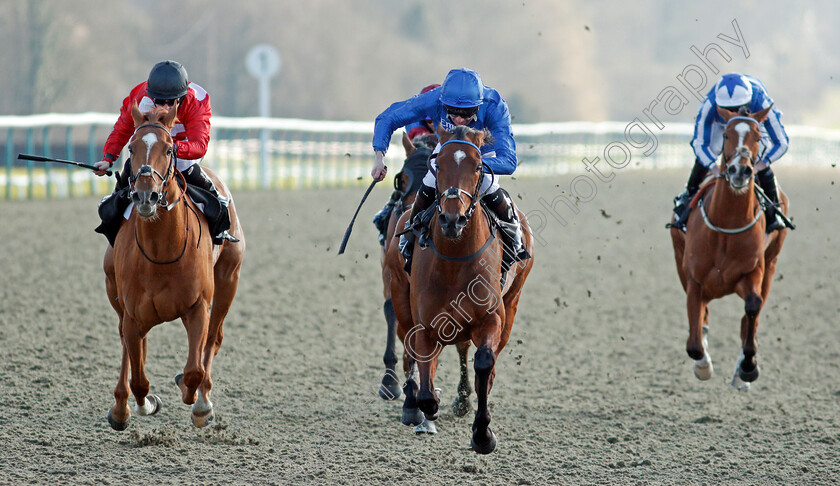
163 266
454 294
408 182
725 250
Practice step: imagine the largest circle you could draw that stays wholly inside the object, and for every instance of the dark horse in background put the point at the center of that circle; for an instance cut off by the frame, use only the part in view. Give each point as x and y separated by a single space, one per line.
455 293
725 250
164 266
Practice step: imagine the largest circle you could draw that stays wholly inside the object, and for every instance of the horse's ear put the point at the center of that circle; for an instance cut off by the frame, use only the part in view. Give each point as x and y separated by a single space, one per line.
169 119
443 135
760 116
409 147
136 115
725 114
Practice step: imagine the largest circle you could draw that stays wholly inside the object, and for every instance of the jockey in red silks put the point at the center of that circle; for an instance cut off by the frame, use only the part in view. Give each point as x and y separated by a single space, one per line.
168 86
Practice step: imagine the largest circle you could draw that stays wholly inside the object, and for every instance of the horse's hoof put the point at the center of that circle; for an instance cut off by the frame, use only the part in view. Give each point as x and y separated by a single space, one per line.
203 419
117 425
484 445
428 405
748 376
389 389
703 368
158 404
426 428
151 405
739 384
179 378
461 407
411 416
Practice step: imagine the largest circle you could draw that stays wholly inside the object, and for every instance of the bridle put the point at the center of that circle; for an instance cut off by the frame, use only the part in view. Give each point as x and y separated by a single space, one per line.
739 152
147 170
455 192
730 161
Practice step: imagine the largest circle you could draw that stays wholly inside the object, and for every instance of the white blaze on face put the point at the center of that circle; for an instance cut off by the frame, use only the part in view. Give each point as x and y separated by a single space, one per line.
151 140
459 156
743 128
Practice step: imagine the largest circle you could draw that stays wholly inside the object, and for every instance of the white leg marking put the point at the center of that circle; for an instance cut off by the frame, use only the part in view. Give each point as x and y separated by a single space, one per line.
201 405
737 382
147 408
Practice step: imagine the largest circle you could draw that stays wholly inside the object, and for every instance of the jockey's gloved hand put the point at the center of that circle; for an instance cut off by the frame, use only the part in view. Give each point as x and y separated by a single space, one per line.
379 170
102 166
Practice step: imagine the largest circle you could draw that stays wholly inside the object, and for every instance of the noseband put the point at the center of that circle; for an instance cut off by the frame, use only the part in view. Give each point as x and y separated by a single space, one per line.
147 170
455 192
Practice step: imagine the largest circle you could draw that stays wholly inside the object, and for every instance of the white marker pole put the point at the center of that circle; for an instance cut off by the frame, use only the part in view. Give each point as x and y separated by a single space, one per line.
263 62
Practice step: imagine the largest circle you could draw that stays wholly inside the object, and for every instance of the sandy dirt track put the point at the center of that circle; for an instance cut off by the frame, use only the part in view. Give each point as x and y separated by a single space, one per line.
595 386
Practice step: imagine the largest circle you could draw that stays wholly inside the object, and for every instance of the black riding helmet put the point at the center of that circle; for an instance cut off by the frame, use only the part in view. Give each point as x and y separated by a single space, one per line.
167 81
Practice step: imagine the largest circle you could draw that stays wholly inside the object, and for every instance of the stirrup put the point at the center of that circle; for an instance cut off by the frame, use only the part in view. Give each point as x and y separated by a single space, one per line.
225 235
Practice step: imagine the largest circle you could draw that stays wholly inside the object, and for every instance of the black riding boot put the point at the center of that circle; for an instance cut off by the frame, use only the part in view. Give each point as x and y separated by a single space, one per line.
196 177
424 199
682 201
382 217
501 205
124 176
767 181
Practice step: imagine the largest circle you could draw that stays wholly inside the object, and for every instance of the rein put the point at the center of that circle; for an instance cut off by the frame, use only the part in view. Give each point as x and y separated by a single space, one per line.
147 170
455 193
733 231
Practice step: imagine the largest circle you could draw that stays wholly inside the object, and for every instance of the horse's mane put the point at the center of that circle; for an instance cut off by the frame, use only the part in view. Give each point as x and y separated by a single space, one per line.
461 132
428 140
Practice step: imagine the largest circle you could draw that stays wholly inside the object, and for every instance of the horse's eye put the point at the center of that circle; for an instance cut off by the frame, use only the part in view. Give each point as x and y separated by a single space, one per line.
478 169
169 151
130 149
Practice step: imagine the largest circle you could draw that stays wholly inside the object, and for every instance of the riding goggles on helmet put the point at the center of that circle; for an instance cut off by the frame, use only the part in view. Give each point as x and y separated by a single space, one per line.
468 113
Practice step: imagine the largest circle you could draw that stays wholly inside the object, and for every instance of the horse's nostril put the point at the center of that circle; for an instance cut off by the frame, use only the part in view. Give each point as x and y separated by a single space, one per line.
732 169
462 221
135 198
153 198
748 171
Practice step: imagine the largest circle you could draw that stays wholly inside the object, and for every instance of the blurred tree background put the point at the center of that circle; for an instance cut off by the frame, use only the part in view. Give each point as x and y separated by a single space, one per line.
347 60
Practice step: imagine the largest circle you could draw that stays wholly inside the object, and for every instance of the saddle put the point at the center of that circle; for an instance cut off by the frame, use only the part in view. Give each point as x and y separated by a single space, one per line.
112 208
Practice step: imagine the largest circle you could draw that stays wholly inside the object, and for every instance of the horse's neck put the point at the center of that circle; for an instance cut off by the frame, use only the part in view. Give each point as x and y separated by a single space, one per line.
727 207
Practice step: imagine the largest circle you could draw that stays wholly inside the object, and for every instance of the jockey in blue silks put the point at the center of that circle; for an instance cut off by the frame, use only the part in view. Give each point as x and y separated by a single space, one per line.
461 100
741 94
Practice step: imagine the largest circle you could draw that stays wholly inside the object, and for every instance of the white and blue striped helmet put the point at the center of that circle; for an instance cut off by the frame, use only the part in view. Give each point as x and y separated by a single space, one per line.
733 90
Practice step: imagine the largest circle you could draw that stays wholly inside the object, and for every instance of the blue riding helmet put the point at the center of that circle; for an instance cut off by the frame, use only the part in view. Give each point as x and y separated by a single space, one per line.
462 88
733 90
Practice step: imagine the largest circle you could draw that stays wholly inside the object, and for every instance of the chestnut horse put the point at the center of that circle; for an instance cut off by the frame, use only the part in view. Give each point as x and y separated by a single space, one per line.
454 294
725 250
408 181
163 266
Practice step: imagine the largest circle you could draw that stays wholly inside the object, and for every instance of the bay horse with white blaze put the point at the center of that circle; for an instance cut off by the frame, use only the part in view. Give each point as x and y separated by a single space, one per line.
454 294
408 182
164 266
725 250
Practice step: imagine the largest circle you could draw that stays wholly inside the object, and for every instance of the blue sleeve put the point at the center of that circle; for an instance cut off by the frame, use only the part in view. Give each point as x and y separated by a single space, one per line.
778 136
401 114
703 134
501 154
